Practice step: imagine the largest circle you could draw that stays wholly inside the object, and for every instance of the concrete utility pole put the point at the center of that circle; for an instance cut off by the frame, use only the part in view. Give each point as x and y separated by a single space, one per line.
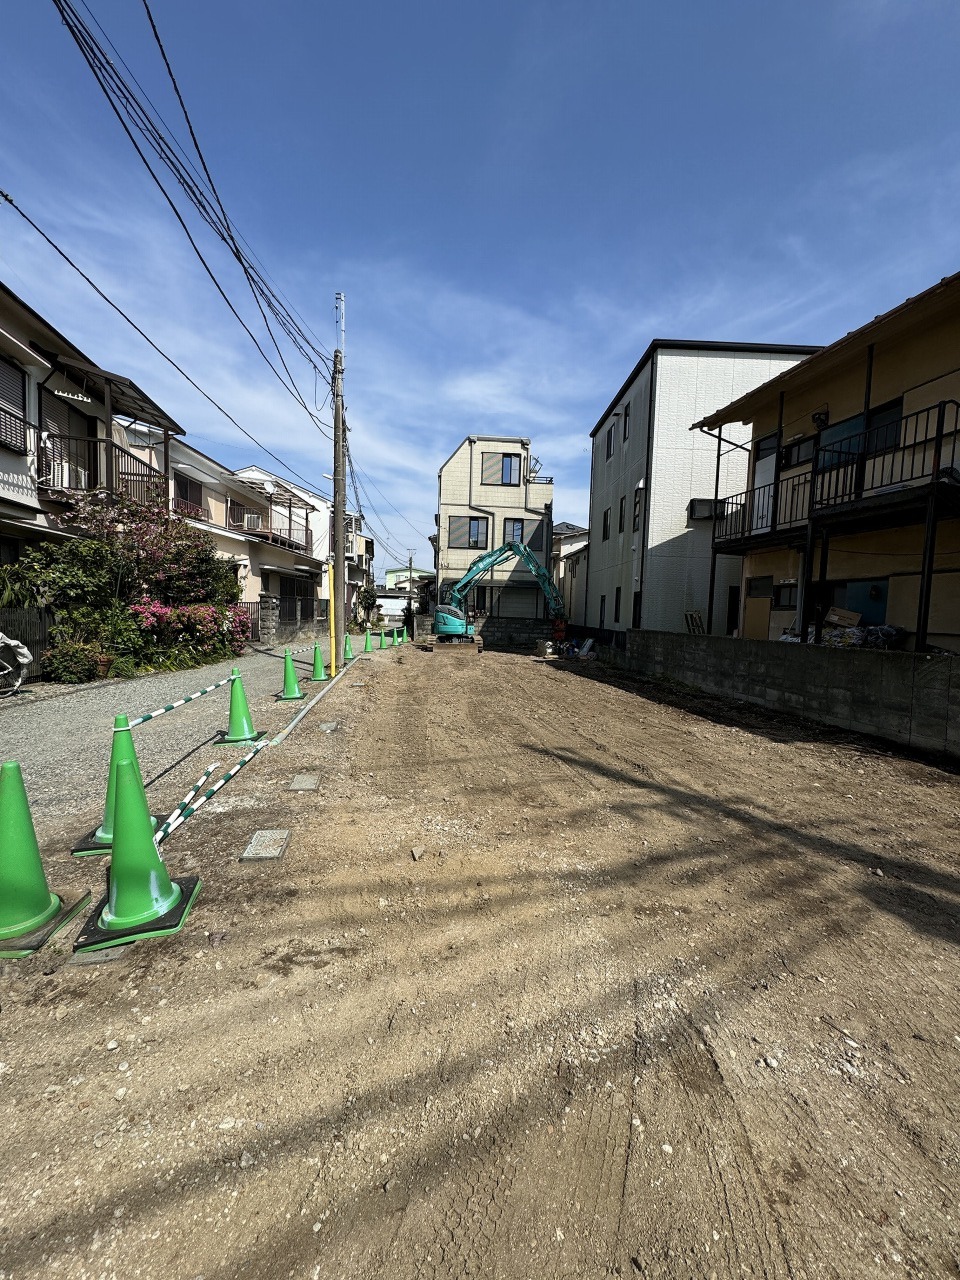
338 597
410 584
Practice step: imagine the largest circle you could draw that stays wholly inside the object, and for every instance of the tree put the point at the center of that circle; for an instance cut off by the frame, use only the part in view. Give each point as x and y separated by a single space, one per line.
367 600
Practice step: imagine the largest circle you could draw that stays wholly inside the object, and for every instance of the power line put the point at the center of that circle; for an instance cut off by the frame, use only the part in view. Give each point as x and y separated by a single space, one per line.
124 102
169 359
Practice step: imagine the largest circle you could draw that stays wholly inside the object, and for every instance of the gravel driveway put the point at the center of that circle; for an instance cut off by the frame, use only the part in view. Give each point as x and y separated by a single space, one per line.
62 740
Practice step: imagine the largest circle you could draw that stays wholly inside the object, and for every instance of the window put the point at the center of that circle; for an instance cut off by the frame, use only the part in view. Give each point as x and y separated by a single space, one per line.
797 452
637 596
844 442
785 595
763 448
480 600
188 494
603 611
526 531
573 567
616 605
500 468
637 504
623 514
13 431
626 421
760 586
606 524
467 532
610 441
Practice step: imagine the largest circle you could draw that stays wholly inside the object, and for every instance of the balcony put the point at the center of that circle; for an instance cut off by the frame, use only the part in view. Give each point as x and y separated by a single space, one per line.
191 511
880 469
273 526
72 465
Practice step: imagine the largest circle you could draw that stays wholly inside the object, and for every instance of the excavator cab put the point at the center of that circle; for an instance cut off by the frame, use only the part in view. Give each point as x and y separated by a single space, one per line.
450 623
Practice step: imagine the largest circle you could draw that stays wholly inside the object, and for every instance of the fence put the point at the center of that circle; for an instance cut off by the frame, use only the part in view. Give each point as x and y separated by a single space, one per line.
252 609
32 628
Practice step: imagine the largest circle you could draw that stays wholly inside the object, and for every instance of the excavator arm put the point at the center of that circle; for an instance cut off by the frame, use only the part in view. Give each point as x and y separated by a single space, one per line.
509 551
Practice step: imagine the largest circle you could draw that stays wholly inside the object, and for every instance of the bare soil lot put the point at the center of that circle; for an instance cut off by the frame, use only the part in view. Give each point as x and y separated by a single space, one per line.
668 990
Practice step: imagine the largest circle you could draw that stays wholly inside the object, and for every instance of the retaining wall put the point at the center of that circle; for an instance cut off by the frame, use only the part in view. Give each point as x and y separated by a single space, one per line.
496 633
912 699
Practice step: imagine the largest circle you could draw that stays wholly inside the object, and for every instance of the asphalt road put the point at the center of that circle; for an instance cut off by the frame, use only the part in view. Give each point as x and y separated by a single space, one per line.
62 740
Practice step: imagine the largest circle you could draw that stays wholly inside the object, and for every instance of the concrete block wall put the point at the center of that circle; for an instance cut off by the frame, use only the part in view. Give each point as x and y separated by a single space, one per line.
911 699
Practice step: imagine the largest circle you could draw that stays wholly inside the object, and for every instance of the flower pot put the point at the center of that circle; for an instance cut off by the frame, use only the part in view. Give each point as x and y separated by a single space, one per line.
104 663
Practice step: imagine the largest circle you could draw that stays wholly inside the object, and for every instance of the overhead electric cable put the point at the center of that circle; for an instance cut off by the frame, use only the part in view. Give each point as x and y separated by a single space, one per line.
122 101
133 324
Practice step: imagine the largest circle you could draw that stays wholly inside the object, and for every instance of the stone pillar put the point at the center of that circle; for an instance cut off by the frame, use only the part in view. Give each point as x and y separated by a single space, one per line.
269 618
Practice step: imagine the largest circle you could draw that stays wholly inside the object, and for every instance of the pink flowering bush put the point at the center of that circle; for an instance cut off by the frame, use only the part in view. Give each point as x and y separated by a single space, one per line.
182 635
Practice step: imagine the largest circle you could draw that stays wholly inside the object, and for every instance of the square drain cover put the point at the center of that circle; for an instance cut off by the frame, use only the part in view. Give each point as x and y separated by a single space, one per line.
305 782
264 845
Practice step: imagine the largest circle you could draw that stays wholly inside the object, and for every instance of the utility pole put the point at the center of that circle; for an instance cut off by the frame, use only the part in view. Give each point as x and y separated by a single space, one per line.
338 595
410 586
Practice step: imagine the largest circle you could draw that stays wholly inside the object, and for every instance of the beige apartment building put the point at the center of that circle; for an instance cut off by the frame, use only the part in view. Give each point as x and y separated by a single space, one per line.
852 509
491 492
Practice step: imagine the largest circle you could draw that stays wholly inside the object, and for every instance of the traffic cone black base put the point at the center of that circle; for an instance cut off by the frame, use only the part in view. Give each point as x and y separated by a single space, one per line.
89 846
28 943
93 938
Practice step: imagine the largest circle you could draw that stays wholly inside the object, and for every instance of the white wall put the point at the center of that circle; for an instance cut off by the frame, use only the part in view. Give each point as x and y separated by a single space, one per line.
672 567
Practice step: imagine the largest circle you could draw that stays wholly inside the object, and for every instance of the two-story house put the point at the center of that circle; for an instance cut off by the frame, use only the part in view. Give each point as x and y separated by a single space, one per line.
852 500
63 428
491 492
652 484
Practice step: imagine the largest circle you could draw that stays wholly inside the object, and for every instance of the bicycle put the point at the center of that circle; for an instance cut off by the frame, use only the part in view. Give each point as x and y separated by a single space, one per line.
14 660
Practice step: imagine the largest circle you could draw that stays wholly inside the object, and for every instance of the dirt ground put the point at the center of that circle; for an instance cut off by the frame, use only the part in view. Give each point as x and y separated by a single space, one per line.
560 976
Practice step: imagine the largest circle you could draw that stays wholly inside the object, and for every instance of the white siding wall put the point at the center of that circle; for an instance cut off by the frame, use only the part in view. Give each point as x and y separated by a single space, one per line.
676 563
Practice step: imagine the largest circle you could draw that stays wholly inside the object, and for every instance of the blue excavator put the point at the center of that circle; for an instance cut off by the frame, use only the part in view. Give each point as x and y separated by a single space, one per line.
450 620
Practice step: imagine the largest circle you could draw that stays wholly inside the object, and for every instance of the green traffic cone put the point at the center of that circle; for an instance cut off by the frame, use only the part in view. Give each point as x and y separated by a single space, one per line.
241 727
142 901
140 886
347 649
383 639
367 646
291 690
29 912
25 901
403 638
394 645
319 671
121 748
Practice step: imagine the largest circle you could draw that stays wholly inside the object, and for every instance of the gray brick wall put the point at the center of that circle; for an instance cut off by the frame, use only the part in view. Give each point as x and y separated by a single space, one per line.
912 699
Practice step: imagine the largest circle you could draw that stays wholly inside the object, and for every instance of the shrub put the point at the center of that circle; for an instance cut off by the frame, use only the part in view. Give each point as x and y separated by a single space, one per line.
71 661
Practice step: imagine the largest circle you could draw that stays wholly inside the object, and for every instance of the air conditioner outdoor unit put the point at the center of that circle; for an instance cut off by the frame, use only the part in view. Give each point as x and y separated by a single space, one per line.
704 508
253 520
64 475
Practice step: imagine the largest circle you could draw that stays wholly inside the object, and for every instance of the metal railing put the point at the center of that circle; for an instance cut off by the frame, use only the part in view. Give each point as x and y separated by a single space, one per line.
13 431
887 458
81 465
191 510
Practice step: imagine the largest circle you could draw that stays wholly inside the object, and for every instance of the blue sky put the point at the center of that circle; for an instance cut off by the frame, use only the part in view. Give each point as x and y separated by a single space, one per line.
515 199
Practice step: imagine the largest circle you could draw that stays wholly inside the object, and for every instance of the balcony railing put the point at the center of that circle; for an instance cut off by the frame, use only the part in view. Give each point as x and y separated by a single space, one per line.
190 510
13 431
81 465
880 460
274 526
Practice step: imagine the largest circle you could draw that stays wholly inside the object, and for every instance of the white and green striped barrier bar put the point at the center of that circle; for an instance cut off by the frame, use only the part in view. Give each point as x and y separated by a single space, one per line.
180 702
180 817
164 830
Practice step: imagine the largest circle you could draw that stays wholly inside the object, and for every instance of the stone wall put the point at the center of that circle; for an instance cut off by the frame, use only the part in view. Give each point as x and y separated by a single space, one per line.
912 699
274 632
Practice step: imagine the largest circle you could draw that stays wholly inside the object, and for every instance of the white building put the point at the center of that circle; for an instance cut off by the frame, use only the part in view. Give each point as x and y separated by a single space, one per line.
652 485
491 492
